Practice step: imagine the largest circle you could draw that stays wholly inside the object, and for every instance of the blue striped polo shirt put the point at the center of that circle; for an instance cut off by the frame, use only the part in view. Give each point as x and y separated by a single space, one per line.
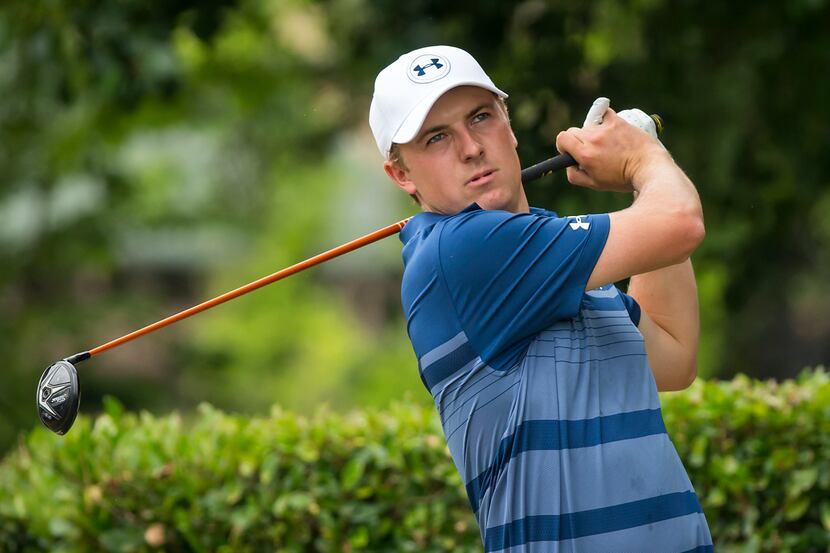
548 405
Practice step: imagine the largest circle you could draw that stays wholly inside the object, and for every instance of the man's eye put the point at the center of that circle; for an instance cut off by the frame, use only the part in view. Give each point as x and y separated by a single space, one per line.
435 138
480 116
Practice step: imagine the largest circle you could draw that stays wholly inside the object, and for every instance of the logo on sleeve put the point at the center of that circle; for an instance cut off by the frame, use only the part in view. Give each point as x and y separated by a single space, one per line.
578 223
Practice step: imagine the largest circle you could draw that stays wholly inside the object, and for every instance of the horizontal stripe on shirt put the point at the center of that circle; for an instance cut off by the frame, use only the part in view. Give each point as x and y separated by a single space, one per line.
572 480
587 523
564 434
702 549
679 534
446 366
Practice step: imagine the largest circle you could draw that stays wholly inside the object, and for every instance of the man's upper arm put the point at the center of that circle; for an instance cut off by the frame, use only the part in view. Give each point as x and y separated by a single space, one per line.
642 240
673 365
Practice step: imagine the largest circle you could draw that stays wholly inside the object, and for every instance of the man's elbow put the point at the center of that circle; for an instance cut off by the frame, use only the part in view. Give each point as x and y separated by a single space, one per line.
689 232
689 375
697 230
697 227
682 378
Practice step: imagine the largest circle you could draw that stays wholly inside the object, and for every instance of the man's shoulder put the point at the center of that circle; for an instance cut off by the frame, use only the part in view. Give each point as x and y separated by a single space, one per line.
430 239
469 234
475 220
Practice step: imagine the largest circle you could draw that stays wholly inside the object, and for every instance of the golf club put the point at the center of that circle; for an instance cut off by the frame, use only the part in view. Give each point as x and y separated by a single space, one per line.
59 391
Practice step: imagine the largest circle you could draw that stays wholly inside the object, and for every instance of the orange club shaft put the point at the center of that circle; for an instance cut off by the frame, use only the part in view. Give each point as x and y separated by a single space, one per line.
242 290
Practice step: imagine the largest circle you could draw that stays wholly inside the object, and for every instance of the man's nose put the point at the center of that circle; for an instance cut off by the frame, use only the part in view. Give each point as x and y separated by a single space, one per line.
469 146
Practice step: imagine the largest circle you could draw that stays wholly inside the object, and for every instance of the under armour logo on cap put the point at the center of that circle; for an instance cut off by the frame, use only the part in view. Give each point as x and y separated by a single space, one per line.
421 71
578 223
428 68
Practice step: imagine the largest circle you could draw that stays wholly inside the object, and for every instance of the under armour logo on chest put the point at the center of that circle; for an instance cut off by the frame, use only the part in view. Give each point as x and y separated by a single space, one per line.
578 223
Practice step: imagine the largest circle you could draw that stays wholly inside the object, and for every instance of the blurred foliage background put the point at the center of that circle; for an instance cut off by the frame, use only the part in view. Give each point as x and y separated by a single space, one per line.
382 480
155 154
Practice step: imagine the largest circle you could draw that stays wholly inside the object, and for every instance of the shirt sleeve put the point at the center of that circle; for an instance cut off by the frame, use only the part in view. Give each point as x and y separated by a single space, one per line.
632 307
510 276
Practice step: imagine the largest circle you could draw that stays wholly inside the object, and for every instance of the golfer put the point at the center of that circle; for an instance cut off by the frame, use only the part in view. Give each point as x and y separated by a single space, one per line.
544 374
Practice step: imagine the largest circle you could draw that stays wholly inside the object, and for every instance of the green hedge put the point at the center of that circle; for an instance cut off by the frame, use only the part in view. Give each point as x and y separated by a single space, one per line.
758 454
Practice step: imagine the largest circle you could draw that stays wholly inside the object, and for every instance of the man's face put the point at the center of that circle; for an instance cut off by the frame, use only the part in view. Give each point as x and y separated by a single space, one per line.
465 152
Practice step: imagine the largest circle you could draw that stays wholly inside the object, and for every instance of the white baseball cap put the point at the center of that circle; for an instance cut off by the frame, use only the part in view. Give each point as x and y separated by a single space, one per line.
406 90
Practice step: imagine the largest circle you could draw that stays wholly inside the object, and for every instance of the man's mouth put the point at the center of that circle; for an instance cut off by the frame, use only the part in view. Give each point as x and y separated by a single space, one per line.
482 177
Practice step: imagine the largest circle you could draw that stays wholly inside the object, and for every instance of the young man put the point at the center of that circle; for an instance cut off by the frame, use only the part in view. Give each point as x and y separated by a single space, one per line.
545 375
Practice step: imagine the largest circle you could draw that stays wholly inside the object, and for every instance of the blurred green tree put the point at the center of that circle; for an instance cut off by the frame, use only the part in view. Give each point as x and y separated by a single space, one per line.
155 154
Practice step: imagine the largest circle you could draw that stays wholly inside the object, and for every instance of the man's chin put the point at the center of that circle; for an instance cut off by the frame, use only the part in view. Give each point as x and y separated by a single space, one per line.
496 202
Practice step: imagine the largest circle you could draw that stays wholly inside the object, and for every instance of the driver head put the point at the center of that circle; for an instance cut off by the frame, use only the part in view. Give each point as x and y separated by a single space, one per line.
58 397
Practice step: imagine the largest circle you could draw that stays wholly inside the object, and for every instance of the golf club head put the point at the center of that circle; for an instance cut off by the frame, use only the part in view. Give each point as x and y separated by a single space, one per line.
58 397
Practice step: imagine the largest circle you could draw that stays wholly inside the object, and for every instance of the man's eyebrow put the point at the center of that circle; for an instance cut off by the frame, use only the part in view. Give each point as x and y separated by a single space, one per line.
477 109
437 128
425 132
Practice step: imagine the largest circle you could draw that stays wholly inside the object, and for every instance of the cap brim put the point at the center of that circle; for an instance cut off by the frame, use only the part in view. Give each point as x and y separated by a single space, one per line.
412 124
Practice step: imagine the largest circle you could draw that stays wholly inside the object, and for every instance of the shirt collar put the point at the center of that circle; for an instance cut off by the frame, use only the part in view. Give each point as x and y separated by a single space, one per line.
426 219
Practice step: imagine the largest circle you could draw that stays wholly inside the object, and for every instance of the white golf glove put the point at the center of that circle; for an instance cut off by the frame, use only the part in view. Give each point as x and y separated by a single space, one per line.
635 117
597 112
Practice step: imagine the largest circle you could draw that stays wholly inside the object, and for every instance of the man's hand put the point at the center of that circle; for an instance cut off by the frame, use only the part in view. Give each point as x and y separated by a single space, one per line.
641 120
665 223
612 156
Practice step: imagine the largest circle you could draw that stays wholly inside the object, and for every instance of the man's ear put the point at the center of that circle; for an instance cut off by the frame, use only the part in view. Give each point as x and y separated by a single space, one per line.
400 176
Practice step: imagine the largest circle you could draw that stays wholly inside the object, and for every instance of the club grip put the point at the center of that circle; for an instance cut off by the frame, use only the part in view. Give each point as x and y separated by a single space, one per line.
547 167
562 161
